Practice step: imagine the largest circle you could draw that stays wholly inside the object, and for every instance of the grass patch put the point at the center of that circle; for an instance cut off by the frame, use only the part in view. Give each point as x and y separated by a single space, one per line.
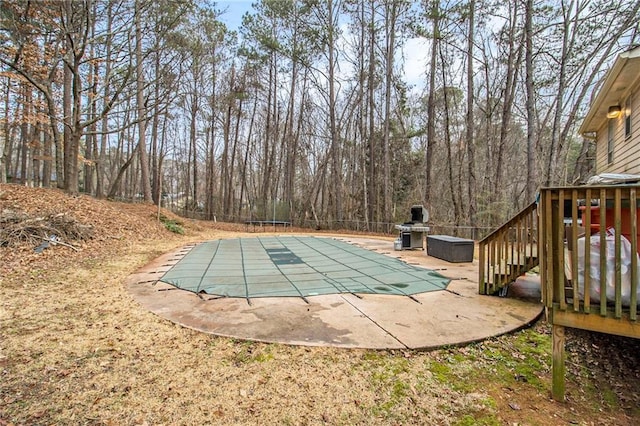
453 372
610 398
441 372
396 391
524 360
484 415
389 379
478 420
172 225
247 352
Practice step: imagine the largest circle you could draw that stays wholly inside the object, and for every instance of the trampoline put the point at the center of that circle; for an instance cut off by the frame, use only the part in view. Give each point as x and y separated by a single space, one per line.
295 266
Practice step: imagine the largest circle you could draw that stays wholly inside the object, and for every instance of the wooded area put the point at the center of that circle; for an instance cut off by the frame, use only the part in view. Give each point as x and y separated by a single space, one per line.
305 113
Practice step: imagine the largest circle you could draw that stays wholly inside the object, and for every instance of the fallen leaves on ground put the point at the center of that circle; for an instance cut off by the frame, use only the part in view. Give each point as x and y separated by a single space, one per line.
75 348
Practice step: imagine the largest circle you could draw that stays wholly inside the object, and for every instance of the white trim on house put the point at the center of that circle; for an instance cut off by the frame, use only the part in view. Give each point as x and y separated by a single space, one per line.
620 80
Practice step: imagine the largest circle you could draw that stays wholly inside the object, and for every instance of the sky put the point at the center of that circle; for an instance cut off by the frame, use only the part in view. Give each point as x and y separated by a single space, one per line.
414 49
234 11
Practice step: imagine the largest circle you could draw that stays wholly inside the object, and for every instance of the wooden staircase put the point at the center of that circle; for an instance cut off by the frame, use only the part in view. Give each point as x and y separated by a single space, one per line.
509 252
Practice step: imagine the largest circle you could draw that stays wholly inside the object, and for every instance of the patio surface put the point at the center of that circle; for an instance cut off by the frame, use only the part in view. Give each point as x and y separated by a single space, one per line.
319 291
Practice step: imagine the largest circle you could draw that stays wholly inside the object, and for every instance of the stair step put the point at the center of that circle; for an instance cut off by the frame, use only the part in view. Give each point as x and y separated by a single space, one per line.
524 261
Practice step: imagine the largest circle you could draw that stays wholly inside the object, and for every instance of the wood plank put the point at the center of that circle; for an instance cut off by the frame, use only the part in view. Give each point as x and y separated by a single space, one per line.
603 252
521 237
617 213
546 297
634 249
557 363
494 261
586 222
513 236
482 277
574 252
558 250
608 324
549 256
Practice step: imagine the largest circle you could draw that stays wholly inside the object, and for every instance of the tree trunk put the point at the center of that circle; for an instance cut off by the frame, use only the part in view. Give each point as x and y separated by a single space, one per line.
36 158
336 169
155 154
362 124
115 186
25 130
225 186
514 56
210 206
46 165
373 187
92 96
104 137
77 22
447 139
90 149
234 149
71 163
530 102
4 132
431 103
269 134
142 111
562 65
244 184
470 119
390 22
63 179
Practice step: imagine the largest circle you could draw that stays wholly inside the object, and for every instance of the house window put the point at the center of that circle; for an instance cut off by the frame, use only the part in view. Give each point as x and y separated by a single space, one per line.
627 118
610 136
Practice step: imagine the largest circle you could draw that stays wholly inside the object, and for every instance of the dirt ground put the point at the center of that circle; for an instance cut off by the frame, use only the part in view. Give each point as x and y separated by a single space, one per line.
75 349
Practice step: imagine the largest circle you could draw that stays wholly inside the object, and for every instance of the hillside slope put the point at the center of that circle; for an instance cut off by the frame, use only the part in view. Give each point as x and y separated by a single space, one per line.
86 226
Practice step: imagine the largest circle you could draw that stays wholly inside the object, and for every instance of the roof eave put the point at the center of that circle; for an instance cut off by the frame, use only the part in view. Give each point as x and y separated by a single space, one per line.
597 114
594 119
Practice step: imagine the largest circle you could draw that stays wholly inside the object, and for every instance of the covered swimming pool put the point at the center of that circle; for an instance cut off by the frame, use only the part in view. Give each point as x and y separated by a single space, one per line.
296 266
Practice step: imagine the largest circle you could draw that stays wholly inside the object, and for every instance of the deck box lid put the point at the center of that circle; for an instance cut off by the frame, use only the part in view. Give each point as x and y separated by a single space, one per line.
449 239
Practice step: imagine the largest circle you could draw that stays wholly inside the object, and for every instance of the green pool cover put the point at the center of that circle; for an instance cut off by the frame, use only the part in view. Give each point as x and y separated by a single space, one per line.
295 266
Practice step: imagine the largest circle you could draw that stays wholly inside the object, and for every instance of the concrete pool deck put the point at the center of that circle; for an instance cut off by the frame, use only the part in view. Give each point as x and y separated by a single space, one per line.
455 315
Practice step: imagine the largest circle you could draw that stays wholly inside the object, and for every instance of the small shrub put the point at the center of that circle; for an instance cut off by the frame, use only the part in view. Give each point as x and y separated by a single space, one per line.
172 225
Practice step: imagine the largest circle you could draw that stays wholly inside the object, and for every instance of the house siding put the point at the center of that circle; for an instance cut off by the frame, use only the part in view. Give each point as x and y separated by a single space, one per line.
626 154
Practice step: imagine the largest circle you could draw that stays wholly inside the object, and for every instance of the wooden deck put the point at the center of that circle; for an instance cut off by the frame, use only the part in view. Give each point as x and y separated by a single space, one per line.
585 242
589 263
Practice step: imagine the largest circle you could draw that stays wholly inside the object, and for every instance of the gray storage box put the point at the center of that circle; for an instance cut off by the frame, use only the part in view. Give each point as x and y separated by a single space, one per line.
451 249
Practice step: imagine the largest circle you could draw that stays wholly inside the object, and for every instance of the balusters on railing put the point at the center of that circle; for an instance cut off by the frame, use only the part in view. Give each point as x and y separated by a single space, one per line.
586 222
633 202
574 252
596 255
598 290
509 251
603 259
617 253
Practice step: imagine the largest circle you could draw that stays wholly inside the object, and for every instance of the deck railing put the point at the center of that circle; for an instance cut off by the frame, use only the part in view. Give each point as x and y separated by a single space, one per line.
509 251
589 263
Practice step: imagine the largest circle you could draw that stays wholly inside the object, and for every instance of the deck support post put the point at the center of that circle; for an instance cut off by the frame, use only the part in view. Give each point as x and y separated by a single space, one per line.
557 363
